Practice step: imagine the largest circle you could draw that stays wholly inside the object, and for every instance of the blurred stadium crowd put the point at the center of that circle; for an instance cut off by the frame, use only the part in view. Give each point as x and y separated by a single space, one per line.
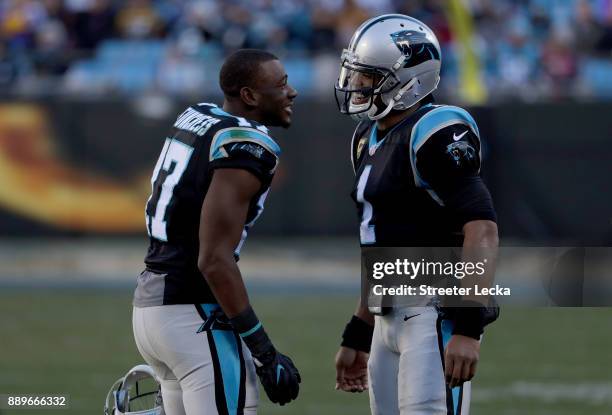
526 49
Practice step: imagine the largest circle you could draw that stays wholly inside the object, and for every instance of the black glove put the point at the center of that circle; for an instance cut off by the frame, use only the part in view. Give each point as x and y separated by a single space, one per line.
277 373
278 376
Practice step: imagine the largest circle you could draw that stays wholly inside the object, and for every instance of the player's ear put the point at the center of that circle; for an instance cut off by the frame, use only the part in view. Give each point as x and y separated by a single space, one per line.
249 96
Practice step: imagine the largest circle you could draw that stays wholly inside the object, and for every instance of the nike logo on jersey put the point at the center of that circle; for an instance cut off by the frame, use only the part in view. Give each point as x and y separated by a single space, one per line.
406 318
458 137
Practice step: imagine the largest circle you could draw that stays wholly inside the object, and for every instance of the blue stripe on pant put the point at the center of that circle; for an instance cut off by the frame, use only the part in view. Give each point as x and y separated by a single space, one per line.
446 331
229 367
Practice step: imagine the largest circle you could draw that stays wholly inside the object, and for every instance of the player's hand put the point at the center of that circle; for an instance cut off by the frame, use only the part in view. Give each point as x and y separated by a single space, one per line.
460 359
278 376
351 370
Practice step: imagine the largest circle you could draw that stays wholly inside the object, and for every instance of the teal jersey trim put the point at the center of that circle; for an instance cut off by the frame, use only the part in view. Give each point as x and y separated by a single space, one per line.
242 122
218 111
437 119
241 134
373 142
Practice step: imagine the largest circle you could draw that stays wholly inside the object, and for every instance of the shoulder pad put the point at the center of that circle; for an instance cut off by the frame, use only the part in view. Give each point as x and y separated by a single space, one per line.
207 104
433 121
437 119
241 135
235 120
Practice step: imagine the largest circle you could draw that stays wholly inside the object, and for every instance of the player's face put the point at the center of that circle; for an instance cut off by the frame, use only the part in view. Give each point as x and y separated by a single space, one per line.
276 103
363 81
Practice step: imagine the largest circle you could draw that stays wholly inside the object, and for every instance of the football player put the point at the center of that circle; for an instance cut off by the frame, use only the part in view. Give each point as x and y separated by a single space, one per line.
417 183
192 319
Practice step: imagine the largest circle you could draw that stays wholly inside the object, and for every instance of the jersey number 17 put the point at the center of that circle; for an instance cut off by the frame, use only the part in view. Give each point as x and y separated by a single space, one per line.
169 168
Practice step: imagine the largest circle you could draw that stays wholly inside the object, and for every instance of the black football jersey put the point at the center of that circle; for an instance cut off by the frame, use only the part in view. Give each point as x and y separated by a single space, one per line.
420 183
203 138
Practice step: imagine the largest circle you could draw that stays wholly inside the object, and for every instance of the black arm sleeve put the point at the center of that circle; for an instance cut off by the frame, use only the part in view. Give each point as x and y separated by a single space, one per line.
449 162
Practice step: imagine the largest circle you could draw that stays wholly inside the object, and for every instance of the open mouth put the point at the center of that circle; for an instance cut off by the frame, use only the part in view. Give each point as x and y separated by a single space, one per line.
359 99
289 109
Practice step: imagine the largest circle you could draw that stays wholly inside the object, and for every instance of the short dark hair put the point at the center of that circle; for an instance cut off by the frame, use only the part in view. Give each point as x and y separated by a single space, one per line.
241 68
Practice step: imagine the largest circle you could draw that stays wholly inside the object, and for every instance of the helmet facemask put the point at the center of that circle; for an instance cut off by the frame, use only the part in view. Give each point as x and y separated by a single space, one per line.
137 393
360 85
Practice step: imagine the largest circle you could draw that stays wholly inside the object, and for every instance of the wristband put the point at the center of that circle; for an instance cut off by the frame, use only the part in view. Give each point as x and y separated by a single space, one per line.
358 335
469 319
251 331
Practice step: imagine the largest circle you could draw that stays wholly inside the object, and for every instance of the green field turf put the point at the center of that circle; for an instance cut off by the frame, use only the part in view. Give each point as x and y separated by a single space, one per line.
544 361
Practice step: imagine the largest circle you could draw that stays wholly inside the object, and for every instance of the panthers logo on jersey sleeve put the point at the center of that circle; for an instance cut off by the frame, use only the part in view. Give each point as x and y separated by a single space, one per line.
444 145
462 154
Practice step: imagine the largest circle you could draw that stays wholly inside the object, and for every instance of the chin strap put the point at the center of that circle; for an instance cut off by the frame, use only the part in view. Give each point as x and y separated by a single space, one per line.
392 102
382 114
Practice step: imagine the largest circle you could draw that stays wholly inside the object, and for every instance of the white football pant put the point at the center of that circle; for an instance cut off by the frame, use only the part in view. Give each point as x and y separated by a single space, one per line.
210 372
405 369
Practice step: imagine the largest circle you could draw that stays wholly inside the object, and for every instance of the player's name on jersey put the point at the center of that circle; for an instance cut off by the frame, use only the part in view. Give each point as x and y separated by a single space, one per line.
427 290
195 122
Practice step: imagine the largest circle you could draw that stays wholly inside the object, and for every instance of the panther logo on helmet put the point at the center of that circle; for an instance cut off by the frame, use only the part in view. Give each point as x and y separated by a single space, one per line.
409 40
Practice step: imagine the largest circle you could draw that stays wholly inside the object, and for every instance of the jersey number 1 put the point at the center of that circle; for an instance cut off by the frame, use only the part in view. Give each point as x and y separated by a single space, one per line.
366 229
177 154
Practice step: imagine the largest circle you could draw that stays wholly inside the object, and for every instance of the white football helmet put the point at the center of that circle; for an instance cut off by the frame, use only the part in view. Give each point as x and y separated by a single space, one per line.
394 57
136 393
